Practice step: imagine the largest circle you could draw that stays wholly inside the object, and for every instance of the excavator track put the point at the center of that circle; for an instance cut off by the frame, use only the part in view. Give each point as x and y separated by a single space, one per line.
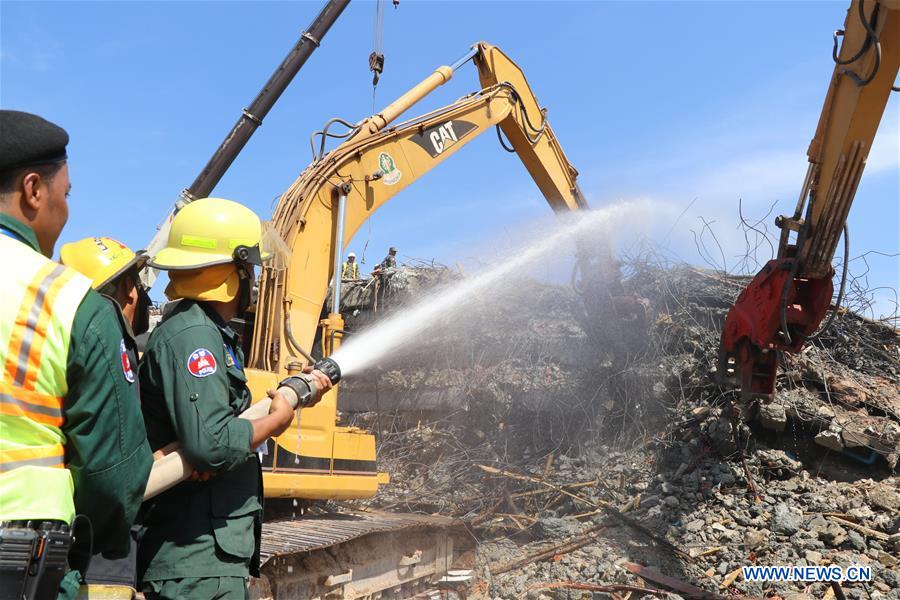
355 554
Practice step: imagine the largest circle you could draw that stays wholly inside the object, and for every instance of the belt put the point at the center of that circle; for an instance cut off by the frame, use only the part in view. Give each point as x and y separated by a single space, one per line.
37 525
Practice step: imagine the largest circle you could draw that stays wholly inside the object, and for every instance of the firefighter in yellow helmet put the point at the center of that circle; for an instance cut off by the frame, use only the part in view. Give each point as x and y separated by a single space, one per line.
202 536
114 270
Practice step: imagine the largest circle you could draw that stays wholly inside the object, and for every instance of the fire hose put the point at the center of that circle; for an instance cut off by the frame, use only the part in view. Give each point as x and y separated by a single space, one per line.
298 390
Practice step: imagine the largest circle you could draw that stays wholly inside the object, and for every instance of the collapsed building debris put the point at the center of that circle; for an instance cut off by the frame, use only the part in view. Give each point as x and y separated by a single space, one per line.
578 470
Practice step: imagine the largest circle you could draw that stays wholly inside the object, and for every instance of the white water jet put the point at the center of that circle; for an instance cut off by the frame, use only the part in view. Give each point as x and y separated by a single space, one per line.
360 351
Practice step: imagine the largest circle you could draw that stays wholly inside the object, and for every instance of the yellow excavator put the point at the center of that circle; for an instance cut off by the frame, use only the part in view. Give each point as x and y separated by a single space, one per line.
318 459
783 306
326 205
316 217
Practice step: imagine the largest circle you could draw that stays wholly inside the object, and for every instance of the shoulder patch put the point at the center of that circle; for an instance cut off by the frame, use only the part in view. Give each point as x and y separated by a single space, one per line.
229 359
201 363
127 367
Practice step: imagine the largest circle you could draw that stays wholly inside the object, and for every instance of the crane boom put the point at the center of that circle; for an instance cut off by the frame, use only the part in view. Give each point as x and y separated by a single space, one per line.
252 117
250 120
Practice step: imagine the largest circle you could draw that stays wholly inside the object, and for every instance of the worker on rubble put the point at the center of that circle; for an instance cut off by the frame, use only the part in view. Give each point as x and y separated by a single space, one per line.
350 268
390 261
65 394
202 536
114 270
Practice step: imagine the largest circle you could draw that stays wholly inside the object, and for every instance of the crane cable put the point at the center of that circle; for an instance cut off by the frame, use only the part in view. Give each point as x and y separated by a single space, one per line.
376 58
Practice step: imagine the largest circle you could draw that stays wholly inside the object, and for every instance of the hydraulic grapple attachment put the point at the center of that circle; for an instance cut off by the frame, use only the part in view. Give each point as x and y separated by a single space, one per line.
778 311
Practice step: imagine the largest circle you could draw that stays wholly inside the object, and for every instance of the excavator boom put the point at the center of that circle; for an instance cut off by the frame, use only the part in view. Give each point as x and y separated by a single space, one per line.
785 303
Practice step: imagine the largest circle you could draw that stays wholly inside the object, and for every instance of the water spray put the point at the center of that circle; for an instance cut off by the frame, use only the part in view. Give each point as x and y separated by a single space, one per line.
361 351
365 348
299 390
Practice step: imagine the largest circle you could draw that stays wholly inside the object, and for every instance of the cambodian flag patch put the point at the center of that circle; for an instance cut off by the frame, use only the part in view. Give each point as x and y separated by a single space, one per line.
201 363
126 362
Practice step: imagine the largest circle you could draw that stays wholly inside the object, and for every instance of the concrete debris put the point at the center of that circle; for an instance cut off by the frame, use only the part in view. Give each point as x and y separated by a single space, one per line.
808 479
786 520
830 439
772 416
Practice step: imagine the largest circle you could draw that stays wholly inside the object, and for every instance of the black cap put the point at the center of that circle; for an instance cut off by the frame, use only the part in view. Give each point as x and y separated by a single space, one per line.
27 139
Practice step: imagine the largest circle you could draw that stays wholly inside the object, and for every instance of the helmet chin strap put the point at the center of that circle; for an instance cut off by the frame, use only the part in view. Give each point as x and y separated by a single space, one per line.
245 291
142 311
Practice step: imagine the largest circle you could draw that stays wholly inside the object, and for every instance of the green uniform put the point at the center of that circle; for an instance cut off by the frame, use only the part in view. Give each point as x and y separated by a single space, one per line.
205 588
106 444
192 389
120 571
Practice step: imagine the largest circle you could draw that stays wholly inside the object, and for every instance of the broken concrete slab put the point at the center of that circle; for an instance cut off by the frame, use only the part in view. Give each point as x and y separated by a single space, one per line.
772 415
830 439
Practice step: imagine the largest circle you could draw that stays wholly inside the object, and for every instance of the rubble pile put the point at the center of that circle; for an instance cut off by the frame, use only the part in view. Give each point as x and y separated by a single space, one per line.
582 473
843 388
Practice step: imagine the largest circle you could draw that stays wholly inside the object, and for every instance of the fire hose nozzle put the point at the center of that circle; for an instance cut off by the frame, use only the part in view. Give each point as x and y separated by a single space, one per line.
304 386
330 368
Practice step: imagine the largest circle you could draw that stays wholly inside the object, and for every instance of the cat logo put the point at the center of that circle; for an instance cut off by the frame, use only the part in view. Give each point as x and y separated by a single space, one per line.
439 138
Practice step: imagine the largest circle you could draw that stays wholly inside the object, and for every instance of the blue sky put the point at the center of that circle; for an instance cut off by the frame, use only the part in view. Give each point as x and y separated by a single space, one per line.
681 102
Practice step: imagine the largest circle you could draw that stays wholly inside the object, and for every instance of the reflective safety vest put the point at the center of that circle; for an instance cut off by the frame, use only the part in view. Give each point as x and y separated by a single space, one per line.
350 270
37 308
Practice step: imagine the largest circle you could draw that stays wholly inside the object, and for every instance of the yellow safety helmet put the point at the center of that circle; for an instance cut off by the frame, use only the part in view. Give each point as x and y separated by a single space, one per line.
215 231
101 259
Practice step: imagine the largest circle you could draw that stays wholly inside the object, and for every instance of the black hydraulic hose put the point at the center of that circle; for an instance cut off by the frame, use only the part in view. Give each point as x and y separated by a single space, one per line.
524 117
539 131
862 82
865 45
871 36
324 133
503 145
292 340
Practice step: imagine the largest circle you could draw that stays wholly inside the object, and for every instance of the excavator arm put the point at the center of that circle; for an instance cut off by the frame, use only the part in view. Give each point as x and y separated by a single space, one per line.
324 208
375 164
785 303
